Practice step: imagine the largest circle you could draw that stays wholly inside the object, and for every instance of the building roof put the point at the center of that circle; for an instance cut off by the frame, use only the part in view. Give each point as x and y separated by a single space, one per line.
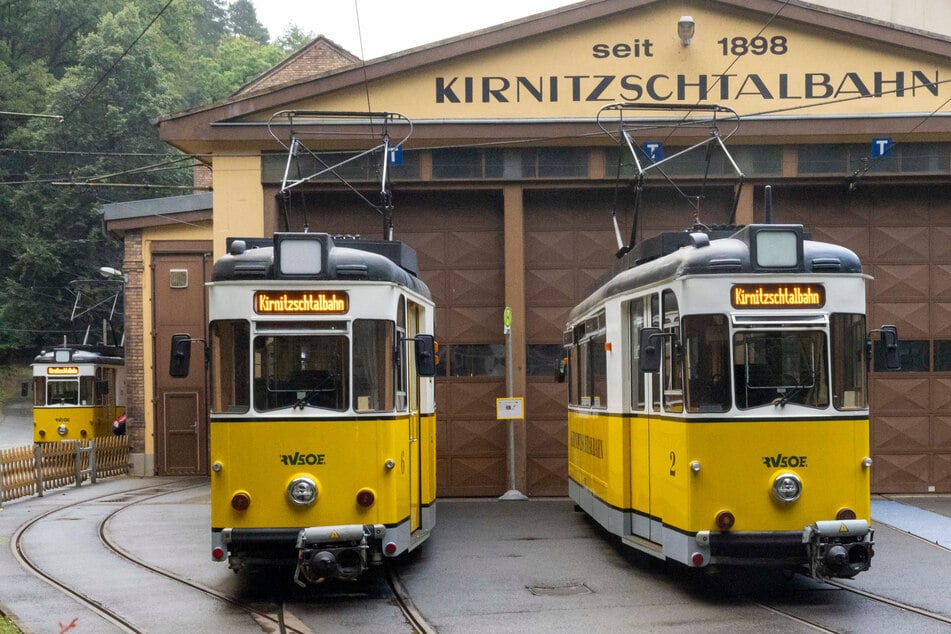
316 58
471 68
137 214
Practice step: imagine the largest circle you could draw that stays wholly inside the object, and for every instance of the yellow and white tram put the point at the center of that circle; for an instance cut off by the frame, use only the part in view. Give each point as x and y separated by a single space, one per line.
78 392
323 428
718 402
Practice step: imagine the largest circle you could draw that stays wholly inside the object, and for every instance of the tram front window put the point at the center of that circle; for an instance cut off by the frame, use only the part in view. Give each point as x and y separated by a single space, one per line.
63 392
301 372
707 363
779 368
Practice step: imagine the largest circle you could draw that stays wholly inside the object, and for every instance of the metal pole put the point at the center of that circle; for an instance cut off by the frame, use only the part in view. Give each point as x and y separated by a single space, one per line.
513 493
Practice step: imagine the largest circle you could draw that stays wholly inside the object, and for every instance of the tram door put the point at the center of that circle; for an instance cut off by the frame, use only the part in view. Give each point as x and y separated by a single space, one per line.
655 391
415 430
640 432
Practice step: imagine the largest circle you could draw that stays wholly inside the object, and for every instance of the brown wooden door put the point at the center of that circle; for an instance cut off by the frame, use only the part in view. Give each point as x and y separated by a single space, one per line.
181 422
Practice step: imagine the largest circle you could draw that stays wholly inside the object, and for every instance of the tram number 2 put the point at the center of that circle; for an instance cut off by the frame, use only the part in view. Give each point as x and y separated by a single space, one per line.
673 462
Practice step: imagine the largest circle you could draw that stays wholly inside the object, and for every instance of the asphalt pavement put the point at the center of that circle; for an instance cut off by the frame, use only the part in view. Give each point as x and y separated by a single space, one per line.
531 565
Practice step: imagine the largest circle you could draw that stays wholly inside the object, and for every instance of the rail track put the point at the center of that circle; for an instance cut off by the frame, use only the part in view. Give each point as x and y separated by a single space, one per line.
270 616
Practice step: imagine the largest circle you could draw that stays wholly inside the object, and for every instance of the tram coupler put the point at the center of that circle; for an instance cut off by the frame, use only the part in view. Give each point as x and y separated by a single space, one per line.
333 552
838 548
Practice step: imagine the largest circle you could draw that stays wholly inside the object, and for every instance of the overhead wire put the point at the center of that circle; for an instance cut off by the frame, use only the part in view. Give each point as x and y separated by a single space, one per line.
103 77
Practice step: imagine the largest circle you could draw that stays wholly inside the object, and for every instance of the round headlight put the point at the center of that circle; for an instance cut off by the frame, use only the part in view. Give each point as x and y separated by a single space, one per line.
787 487
302 491
61 430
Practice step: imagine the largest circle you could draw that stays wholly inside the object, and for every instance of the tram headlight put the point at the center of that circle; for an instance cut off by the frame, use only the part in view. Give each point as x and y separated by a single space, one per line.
61 430
302 491
787 487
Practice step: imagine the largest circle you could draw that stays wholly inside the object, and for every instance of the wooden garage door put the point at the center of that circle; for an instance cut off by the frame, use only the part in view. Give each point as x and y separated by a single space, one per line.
903 236
459 241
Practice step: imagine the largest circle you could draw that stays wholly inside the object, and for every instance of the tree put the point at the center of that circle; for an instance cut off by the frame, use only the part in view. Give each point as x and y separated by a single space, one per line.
110 67
243 20
294 38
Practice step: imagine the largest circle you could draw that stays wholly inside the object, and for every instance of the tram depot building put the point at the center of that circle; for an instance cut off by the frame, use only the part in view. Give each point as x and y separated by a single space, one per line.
506 187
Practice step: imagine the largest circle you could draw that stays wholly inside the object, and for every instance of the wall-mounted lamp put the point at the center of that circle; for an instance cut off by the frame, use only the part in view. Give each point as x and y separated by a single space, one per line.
112 274
685 29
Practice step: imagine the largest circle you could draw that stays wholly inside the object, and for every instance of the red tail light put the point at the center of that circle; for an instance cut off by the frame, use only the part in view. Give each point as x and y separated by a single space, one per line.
240 501
845 514
366 497
725 520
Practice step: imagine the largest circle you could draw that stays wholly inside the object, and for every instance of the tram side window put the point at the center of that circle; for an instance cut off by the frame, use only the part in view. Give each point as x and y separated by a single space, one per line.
374 388
574 375
401 366
637 379
87 390
39 390
707 362
655 376
848 361
599 371
673 357
588 364
230 375
301 371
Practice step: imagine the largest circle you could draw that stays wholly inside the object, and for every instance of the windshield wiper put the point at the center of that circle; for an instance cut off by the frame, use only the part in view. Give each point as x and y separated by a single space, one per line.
782 399
801 385
305 399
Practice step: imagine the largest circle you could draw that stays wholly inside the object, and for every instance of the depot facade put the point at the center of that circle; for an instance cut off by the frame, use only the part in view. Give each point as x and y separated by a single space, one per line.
506 180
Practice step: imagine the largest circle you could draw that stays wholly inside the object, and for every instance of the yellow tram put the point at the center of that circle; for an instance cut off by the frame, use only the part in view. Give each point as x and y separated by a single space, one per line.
718 402
323 427
78 392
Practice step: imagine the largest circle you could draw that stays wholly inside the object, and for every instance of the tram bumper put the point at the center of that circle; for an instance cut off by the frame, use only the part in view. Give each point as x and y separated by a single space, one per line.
327 552
838 548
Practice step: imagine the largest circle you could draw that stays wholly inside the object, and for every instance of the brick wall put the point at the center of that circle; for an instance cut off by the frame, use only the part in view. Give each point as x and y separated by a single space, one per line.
133 266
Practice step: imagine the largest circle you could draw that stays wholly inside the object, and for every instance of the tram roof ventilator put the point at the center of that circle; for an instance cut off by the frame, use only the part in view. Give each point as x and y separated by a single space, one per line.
760 247
319 256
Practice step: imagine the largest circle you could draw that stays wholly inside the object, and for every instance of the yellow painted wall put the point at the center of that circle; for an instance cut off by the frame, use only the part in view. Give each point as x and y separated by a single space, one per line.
238 200
638 57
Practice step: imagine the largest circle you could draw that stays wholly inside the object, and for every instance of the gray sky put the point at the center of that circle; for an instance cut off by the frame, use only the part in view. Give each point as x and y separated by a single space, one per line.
393 25
389 26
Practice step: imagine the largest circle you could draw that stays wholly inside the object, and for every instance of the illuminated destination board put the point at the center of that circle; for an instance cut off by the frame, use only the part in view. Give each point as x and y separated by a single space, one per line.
301 302
69 370
777 296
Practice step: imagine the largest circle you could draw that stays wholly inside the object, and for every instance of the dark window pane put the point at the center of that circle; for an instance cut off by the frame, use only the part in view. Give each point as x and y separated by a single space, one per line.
914 356
823 159
364 168
541 359
477 359
942 356
928 158
562 162
459 163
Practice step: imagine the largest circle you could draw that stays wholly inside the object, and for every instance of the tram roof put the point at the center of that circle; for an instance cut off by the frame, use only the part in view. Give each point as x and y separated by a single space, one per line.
82 353
347 259
713 252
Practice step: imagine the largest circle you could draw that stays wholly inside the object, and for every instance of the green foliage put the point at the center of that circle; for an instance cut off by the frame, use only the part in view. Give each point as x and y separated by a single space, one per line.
243 20
110 68
294 38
